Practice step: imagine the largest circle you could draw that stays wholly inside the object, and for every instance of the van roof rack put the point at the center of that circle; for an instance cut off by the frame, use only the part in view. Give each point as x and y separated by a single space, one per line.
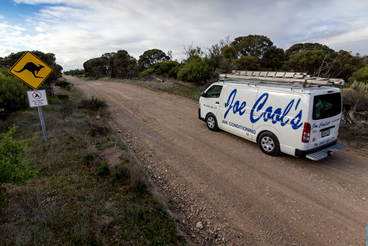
280 77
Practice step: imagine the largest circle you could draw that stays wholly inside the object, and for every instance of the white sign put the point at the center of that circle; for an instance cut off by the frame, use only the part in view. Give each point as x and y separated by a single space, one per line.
37 98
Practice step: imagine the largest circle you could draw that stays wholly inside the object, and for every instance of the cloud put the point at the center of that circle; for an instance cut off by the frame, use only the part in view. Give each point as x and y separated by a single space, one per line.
77 30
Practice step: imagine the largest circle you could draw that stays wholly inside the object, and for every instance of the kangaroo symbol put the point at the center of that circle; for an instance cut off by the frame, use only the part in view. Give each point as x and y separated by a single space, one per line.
33 68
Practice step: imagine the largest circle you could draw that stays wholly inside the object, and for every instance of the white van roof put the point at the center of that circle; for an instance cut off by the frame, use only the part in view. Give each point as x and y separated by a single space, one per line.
293 78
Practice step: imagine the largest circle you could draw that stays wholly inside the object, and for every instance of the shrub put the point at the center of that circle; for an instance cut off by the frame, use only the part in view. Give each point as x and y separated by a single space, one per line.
13 94
13 170
139 186
122 175
93 103
195 71
148 71
66 110
361 75
357 93
69 87
62 83
165 67
103 169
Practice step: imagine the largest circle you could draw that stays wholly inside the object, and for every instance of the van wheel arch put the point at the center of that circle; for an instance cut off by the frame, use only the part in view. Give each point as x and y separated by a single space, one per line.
269 143
211 122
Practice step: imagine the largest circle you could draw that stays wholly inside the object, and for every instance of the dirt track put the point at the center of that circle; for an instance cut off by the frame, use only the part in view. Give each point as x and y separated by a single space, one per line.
240 195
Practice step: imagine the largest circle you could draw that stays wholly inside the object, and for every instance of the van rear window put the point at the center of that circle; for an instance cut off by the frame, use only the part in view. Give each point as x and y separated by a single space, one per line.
326 106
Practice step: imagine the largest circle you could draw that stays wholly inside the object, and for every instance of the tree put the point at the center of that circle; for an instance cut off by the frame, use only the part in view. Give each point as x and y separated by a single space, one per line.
151 57
360 76
13 93
229 52
96 67
193 54
252 45
123 64
251 63
215 56
324 63
108 57
13 170
273 58
306 46
308 61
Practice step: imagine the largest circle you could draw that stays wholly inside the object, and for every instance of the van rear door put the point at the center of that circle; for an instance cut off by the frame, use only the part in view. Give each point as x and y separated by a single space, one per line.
325 118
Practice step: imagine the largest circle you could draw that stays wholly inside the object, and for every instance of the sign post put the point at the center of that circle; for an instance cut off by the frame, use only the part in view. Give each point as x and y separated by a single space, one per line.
38 98
33 72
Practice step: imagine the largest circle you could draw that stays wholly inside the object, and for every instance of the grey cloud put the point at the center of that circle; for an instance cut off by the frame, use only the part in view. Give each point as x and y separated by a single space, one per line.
84 29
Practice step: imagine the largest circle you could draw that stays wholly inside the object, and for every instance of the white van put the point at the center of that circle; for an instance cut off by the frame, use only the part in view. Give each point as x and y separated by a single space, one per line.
289 113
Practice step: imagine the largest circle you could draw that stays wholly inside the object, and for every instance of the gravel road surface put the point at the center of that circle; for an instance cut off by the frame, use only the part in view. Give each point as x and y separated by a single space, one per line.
223 190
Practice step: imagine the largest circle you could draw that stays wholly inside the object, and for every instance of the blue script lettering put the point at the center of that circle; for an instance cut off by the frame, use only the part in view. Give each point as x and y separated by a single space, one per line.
276 115
237 107
323 124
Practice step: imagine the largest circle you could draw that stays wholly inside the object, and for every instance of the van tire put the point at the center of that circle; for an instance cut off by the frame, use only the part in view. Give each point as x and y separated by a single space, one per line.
269 143
211 122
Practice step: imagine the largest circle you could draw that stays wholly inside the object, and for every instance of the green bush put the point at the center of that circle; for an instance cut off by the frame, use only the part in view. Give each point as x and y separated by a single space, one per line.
13 170
195 71
165 67
361 75
148 71
103 170
357 93
169 68
13 93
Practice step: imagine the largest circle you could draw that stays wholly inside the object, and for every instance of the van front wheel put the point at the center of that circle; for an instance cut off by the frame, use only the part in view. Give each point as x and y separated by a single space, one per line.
211 122
269 143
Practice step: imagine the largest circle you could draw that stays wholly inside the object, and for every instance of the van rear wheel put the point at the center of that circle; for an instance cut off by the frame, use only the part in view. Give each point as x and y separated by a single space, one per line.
211 122
269 143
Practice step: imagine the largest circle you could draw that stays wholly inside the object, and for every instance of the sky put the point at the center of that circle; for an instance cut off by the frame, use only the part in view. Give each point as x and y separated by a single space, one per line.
78 30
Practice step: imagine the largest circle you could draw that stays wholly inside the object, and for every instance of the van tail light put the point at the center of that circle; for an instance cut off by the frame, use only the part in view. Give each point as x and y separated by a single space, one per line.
306 132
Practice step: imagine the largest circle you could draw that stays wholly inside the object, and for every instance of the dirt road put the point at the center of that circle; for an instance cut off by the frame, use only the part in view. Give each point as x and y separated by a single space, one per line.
239 195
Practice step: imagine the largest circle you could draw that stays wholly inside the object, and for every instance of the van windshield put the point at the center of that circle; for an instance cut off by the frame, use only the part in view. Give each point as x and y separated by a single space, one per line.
326 106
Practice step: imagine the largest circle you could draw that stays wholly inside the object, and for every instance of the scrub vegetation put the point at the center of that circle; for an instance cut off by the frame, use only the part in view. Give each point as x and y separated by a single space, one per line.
74 195
201 66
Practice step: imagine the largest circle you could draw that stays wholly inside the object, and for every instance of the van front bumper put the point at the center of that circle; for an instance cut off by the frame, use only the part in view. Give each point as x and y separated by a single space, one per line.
199 115
321 152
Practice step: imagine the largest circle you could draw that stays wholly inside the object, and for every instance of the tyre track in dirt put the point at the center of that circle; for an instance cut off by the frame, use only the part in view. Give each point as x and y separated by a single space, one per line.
264 200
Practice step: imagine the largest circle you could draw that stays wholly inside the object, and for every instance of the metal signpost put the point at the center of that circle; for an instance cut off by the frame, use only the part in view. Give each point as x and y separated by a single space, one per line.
38 99
33 72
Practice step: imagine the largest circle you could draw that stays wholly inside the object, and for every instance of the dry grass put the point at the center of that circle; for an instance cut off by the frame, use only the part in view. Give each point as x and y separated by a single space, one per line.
76 196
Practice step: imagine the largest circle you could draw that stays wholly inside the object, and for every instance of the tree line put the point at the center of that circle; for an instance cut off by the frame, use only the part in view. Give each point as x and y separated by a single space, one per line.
252 52
200 65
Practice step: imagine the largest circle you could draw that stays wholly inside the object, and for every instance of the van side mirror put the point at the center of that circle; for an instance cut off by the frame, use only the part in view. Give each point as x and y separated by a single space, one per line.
203 94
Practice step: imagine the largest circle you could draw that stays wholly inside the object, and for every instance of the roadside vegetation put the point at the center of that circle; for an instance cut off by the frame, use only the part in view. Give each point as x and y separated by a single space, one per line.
157 70
75 194
67 192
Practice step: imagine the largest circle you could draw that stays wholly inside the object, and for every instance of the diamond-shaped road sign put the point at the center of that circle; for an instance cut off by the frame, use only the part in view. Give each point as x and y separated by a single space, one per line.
31 70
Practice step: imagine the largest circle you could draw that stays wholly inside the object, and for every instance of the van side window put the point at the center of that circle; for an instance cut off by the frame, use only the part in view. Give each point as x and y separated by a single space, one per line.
214 91
325 106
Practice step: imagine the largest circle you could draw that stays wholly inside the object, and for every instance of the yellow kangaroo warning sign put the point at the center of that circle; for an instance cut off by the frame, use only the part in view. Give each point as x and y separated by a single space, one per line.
31 70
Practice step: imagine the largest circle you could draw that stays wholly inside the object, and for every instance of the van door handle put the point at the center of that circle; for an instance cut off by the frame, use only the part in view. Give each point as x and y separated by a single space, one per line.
225 105
217 102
